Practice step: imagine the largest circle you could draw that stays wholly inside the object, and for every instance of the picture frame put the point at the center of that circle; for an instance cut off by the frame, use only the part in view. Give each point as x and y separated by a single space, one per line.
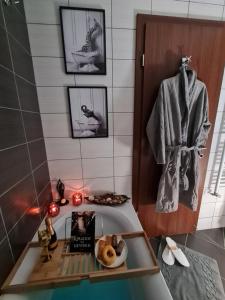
88 107
84 40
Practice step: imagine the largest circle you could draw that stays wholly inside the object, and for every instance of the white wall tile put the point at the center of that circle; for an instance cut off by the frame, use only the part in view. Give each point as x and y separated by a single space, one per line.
124 12
221 101
217 127
96 79
123 145
219 209
43 11
49 71
110 123
224 19
123 185
123 99
218 222
71 186
109 94
223 82
123 43
108 43
56 125
123 124
123 166
53 99
102 147
207 197
99 185
217 142
103 4
45 40
123 73
97 167
220 2
205 11
204 223
65 169
170 7
207 210
62 148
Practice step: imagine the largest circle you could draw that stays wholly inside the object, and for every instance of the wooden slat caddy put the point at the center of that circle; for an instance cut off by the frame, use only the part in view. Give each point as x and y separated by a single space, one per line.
67 268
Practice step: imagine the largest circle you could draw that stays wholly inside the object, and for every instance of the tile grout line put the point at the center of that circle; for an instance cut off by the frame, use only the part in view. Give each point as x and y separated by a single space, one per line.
81 156
112 83
7 236
15 74
27 209
17 92
22 144
17 109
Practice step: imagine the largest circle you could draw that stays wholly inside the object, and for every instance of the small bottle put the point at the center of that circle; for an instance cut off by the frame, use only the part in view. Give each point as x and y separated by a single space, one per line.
53 241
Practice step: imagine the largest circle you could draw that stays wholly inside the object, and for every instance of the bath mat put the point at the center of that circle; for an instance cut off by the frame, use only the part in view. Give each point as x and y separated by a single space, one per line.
201 281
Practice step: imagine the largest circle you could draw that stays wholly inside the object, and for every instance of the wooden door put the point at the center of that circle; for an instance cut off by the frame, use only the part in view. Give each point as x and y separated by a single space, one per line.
163 41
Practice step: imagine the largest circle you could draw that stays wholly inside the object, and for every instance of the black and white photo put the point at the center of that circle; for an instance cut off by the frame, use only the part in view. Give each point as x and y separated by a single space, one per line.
83 33
88 111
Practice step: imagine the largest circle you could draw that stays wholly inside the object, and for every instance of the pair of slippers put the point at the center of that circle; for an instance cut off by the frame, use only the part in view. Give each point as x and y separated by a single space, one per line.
172 253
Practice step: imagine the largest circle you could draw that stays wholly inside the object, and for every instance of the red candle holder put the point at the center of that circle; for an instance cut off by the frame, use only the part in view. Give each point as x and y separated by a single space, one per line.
53 209
77 199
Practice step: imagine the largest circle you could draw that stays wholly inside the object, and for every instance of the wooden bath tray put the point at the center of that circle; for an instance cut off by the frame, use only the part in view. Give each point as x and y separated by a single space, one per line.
70 268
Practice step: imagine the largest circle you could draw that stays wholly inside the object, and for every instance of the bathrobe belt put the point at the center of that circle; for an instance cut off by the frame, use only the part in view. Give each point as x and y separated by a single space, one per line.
179 163
186 148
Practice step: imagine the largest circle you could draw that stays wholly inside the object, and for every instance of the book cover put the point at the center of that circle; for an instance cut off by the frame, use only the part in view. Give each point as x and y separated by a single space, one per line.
82 231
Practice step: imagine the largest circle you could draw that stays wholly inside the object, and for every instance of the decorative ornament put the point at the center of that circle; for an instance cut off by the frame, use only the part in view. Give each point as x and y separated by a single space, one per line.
60 189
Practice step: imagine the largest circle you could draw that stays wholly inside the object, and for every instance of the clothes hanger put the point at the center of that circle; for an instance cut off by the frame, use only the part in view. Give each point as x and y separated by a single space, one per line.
185 61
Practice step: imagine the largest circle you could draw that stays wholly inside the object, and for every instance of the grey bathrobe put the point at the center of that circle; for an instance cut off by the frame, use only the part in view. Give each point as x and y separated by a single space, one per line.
177 130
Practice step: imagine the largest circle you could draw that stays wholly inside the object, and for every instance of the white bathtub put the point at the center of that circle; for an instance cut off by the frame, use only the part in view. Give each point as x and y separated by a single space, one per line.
115 220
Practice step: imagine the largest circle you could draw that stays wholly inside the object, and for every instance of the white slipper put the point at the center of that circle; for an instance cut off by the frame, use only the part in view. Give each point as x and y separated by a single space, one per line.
177 252
168 256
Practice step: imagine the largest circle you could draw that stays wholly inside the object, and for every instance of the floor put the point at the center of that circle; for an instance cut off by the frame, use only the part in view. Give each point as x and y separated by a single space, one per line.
209 242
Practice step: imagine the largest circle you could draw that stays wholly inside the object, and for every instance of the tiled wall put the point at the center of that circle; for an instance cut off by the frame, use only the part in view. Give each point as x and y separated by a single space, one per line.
212 214
24 177
96 164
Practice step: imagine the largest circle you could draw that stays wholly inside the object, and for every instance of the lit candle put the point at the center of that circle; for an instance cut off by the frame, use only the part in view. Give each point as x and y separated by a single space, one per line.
53 209
77 199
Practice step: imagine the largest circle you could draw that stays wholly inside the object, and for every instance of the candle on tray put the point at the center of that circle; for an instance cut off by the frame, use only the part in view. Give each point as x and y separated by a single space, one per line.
53 209
77 199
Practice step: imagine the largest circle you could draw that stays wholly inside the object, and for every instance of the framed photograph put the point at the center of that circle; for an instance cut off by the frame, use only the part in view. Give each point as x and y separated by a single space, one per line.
88 111
83 34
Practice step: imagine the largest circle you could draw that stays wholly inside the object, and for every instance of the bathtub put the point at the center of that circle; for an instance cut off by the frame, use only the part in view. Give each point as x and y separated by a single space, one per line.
108 220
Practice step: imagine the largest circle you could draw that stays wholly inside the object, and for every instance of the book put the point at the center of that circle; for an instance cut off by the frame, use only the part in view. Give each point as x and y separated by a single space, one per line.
82 231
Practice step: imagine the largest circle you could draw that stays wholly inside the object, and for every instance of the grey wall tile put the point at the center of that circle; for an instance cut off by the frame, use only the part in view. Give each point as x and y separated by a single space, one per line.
23 232
22 61
5 58
2 229
1 15
44 199
11 128
16 201
28 95
33 127
41 177
16 25
6 260
8 95
37 153
14 166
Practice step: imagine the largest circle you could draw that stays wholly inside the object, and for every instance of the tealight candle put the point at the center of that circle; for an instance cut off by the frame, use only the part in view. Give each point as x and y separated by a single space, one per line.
77 199
53 209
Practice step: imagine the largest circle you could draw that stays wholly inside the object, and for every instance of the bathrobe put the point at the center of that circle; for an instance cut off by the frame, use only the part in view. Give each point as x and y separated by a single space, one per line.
177 131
